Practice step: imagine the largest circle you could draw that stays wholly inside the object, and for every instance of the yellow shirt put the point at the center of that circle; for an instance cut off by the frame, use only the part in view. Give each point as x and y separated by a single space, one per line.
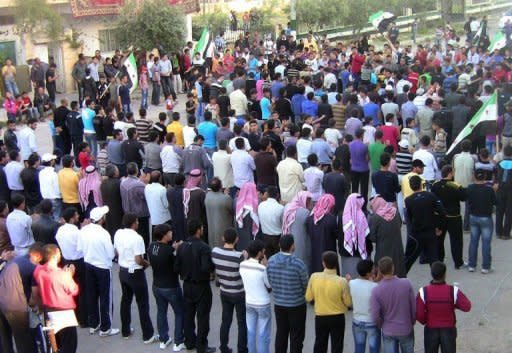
9 71
330 293
68 183
406 188
176 127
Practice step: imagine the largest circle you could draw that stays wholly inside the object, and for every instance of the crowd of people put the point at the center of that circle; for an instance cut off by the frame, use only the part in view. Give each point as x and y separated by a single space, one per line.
299 163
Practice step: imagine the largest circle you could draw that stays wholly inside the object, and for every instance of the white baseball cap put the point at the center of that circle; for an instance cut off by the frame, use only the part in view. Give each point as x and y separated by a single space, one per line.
97 213
403 144
48 157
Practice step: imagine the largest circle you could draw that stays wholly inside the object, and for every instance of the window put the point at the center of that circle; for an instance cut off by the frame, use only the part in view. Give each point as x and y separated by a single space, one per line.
108 41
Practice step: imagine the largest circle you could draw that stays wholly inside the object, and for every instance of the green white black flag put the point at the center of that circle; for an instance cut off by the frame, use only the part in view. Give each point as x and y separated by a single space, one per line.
381 20
499 41
486 115
131 69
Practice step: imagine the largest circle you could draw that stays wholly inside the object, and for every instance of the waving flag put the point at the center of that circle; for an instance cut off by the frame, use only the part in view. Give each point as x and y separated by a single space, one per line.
499 41
483 121
381 20
130 66
203 43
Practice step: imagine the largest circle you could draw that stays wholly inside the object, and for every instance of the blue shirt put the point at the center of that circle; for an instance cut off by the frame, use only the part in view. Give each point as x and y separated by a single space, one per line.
87 118
288 277
310 107
266 108
209 131
274 89
297 100
372 109
323 151
409 110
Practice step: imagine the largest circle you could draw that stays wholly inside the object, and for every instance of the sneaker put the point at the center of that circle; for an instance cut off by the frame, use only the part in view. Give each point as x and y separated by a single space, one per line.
109 332
471 269
178 347
92 330
505 237
464 265
486 271
210 349
130 334
152 339
163 345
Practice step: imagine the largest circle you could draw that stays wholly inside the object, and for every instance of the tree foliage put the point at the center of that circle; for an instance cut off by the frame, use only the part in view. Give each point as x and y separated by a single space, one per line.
217 21
34 15
153 24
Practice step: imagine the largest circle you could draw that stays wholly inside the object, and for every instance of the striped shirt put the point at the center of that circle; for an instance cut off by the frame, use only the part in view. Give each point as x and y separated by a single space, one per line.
403 162
143 126
288 276
227 268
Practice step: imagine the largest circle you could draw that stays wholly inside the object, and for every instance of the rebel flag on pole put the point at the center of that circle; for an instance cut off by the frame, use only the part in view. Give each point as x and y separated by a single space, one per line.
203 43
499 41
130 65
482 123
381 20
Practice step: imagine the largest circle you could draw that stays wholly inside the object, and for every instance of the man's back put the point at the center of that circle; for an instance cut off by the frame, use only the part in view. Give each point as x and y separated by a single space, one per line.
392 306
227 268
288 277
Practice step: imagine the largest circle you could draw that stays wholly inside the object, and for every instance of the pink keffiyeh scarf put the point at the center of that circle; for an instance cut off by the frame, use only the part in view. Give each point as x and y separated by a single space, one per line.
355 225
323 206
290 210
247 203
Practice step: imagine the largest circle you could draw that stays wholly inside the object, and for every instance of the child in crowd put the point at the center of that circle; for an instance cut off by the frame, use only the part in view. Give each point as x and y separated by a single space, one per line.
313 177
169 105
213 107
369 130
102 158
332 135
85 158
439 147
409 133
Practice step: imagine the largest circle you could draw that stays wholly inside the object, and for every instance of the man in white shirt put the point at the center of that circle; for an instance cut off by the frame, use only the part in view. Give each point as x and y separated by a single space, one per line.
430 170
96 245
304 146
19 226
67 239
27 139
362 325
94 66
270 213
222 169
189 131
156 198
49 184
257 298
291 175
242 164
129 246
329 78
12 173
238 101
391 107
171 156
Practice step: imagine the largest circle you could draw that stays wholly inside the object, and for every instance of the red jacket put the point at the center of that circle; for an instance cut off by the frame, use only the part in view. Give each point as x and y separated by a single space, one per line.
436 304
56 286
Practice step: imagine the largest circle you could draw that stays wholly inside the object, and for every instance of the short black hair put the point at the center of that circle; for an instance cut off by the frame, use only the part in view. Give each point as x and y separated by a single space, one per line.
255 247
272 191
313 159
291 151
45 206
69 213
161 230
364 267
193 225
415 182
438 270
67 161
215 184
3 205
286 242
465 145
230 236
385 158
360 133
132 168
239 143
179 179
425 140
129 219
330 259
445 170
378 134
17 200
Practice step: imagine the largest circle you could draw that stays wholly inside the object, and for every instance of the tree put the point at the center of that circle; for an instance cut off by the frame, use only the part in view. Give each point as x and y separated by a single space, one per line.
217 21
153 24
34 15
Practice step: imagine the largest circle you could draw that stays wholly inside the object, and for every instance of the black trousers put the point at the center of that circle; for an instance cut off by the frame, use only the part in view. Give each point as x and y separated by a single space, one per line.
76 141
444 338
135 284
230 304
144 230
81 299
14 324
329 326
290 323
168 179
417 242
360 182
503 211
453 225
198 304
67 340
99 291
271 244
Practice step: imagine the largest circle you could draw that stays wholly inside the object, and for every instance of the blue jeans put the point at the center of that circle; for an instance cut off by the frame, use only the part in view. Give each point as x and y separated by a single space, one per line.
144 98
480 227
93 143
11 86
259 321
365 330
200 112
126 108
164 297
57 208
395 344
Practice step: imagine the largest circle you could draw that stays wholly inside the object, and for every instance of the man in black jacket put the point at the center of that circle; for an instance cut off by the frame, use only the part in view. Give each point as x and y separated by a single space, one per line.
76 128
10 139
194 264
45 228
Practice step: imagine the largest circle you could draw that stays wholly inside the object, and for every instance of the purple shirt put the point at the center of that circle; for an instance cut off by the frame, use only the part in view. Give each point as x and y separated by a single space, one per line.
359 156
351 126
393 306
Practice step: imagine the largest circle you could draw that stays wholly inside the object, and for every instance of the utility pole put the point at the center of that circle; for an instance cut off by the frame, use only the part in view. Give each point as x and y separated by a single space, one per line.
293 15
